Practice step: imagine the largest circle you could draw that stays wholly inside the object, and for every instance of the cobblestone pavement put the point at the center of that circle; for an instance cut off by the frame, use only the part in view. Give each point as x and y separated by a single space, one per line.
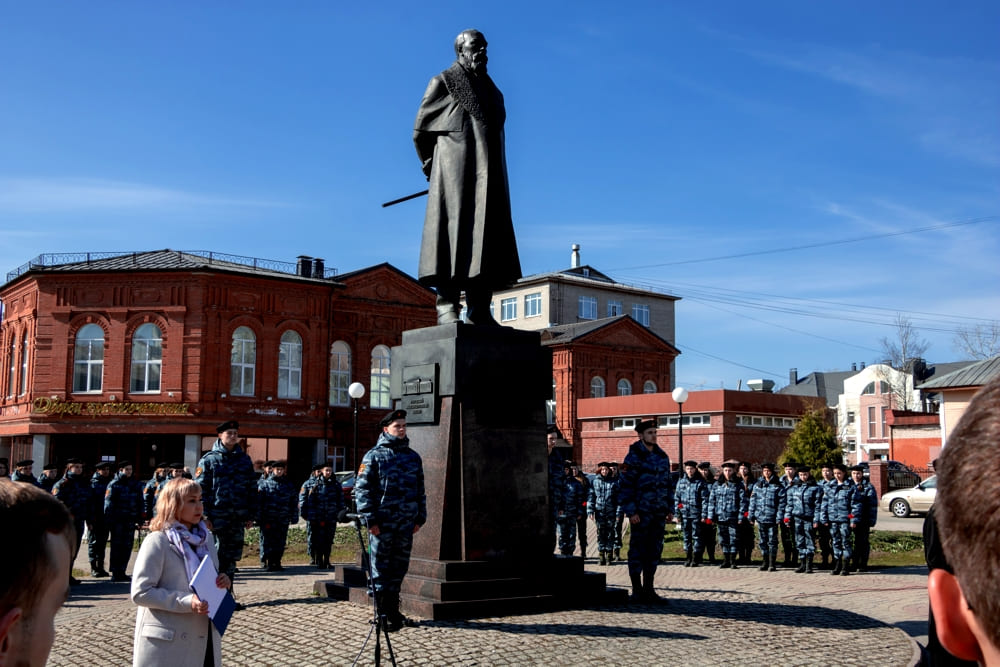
714 617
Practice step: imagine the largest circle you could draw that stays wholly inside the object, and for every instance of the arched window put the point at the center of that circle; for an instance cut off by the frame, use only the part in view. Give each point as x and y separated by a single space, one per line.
340 373
290 366
147 359
649 387
24 366
624 387
869 389
597 387
380 378
243 362
12 378
88 359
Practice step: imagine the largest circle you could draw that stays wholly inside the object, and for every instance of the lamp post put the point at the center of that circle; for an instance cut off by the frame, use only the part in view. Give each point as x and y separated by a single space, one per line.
680 394
355 391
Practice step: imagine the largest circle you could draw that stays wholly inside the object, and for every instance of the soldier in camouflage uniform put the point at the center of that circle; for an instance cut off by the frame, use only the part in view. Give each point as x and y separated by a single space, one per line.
573 497
841 509
122 512
787 528
727 503
23 472
49 476
744 531
389 493
97 526
767 509
602 505
228 491
555 483
74 492
277 506
150 489
802 507
321 500
691 497
647 498
619 514
822 530
866 519
303 493
709 534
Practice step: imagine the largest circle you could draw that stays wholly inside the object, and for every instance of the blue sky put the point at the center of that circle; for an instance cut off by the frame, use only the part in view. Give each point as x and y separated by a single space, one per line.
797 172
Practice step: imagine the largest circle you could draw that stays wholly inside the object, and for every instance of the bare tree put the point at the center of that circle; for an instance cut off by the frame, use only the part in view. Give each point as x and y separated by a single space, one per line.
981 341
907 345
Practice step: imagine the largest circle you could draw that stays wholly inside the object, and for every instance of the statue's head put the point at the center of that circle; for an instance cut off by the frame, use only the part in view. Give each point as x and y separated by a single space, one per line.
470 47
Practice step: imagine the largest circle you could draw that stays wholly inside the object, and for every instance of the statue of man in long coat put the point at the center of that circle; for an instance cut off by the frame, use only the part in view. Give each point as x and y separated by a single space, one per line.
468 241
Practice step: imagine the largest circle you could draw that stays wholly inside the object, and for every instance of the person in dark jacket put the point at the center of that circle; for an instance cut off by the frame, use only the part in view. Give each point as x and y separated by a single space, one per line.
49 476
389 493
303 494
647 498
802 510
321 500
691 500
573 498
727 503
98 530
744 530
556 475
23 472
767 508
866 521
277 507
73 491
122 512
602 505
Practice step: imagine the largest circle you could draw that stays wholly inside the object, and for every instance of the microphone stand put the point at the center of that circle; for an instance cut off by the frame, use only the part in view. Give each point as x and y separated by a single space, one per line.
378 622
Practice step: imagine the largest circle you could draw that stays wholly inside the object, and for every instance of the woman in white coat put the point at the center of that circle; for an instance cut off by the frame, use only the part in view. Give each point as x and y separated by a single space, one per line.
172 627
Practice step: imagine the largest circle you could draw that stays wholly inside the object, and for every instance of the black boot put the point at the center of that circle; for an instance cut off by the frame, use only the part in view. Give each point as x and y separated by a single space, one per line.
636 587
725 562
771 564
846 569
801 569
697 557
648 592
795 558
838 564
732 561
763 566
809 564
689 558
618 554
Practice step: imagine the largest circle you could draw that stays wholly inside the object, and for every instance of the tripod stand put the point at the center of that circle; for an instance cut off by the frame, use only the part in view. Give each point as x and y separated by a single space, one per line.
379 623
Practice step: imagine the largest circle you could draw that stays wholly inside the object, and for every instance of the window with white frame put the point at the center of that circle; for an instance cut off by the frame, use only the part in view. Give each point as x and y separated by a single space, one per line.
871 421
340 373
597 387
12 378
850 417
24 366
338 456
640 313
290 365
243 362
147 359
588 308
761 421
624 387
671 421
615 308
380 378
508 309
624 424
533 304
649 387
88 359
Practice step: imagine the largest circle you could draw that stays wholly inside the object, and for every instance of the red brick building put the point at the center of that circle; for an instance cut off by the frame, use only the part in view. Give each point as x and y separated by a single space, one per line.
139 356
718 425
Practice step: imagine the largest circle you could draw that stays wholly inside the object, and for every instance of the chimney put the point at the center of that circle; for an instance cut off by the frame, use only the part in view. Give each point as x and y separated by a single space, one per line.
574 259
793 376
303 266
854 366
764 386
862 366
319 268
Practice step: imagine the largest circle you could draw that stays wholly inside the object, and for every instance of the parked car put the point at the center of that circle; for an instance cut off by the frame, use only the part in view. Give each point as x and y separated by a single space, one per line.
346 479
904 502
900 475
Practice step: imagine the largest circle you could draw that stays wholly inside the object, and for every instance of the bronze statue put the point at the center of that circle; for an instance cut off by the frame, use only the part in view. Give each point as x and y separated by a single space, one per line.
468 241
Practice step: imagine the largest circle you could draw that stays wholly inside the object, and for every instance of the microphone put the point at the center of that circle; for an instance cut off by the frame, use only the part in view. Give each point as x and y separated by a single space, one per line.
346 516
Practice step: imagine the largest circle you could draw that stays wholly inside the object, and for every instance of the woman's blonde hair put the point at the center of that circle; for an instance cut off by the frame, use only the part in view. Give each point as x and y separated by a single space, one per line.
170 500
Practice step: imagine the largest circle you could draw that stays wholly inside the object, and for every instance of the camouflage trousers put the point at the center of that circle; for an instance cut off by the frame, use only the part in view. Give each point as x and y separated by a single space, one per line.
122 540
691 532
645 545
229 539
805 536
727 536
390 556
97 542
767 534
605 530
273 537
322 537
840 532
567 534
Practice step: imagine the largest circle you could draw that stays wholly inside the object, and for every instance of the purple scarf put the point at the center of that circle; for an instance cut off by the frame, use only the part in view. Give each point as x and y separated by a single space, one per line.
196 540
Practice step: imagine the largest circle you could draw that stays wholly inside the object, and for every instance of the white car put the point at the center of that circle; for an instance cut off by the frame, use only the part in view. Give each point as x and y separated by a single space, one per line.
906 501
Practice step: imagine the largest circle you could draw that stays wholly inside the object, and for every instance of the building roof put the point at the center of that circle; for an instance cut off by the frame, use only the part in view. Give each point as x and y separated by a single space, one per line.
826 385
166 260
588 275
974 374
566 333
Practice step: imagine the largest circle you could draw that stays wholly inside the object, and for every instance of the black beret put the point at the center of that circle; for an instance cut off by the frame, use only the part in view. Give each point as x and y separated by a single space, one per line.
123 464
704 465
268 464
74 461
858 468
603 464
827 465
51 465
691 462
25 462
803 469
729 464
612 464
391 417
318 467
175 466
745 463
645 425
225 426
791 464
278 464
768 466
101 465
840 466
551 428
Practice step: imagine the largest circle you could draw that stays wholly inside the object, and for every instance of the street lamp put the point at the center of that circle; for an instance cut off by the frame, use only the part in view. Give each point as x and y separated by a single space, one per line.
356 391
680 395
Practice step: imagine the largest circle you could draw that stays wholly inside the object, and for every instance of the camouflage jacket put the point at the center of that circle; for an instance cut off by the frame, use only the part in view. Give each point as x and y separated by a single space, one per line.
841 503
123 500
74 492
692 497
767 501
803 501
228 485
321 499
389 489
98 485
276 501
727 501
869 502
646 484
574 501
603 496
